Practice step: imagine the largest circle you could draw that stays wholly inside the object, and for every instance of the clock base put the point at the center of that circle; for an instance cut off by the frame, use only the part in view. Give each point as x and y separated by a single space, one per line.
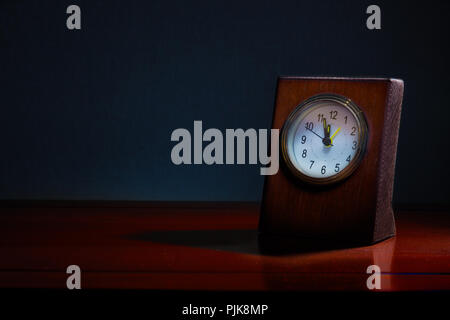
357 210
283 245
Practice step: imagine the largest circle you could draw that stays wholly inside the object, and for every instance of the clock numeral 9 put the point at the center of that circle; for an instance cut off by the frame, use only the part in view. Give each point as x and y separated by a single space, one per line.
304 153
303 139
323 170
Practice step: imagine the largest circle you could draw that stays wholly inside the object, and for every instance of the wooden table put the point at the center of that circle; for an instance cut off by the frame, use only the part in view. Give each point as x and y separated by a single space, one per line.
205 246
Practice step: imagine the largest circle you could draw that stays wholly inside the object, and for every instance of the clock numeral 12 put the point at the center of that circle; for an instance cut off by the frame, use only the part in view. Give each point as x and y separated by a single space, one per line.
333 115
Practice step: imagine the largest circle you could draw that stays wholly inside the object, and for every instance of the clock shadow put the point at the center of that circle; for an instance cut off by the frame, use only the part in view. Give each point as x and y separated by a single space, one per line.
246 241
240 241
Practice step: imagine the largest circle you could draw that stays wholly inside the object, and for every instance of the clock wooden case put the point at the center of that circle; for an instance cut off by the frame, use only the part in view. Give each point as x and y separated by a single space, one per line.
358 209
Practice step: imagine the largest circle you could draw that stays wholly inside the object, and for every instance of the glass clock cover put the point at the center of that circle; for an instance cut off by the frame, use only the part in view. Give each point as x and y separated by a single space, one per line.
324 139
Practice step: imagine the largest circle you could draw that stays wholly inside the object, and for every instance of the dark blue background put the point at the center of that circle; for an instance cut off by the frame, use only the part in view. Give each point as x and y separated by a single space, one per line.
88 114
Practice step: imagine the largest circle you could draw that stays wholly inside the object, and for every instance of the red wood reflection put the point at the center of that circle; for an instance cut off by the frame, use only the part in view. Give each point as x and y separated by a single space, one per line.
206 247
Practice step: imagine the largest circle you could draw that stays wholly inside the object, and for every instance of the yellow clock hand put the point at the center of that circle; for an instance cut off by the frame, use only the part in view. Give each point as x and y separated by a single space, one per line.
335 133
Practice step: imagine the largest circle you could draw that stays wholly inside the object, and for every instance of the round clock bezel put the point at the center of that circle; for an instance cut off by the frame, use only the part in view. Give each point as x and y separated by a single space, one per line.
362 138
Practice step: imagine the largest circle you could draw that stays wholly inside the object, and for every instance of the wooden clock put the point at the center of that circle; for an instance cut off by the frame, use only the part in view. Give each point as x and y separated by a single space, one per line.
338 143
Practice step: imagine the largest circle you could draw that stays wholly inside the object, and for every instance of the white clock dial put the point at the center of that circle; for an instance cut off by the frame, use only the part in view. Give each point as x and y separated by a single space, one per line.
324 138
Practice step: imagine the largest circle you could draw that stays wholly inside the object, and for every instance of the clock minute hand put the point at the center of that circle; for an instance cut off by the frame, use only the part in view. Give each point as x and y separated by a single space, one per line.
313 132
317 135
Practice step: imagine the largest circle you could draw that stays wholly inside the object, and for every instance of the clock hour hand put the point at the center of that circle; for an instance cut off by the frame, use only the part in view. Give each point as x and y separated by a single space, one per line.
326 128
330 144
326 140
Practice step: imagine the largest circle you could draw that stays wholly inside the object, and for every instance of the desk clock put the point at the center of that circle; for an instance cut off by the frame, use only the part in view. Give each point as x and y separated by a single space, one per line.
338 147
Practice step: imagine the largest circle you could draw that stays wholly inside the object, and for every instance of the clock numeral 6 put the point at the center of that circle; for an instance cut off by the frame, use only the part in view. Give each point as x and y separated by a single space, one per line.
323 170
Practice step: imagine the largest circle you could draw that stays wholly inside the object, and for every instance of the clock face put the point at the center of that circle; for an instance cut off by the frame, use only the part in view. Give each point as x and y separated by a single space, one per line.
324 138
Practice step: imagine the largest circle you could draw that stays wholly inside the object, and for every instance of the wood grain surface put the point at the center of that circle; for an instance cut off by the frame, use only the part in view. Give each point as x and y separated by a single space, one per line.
206 246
